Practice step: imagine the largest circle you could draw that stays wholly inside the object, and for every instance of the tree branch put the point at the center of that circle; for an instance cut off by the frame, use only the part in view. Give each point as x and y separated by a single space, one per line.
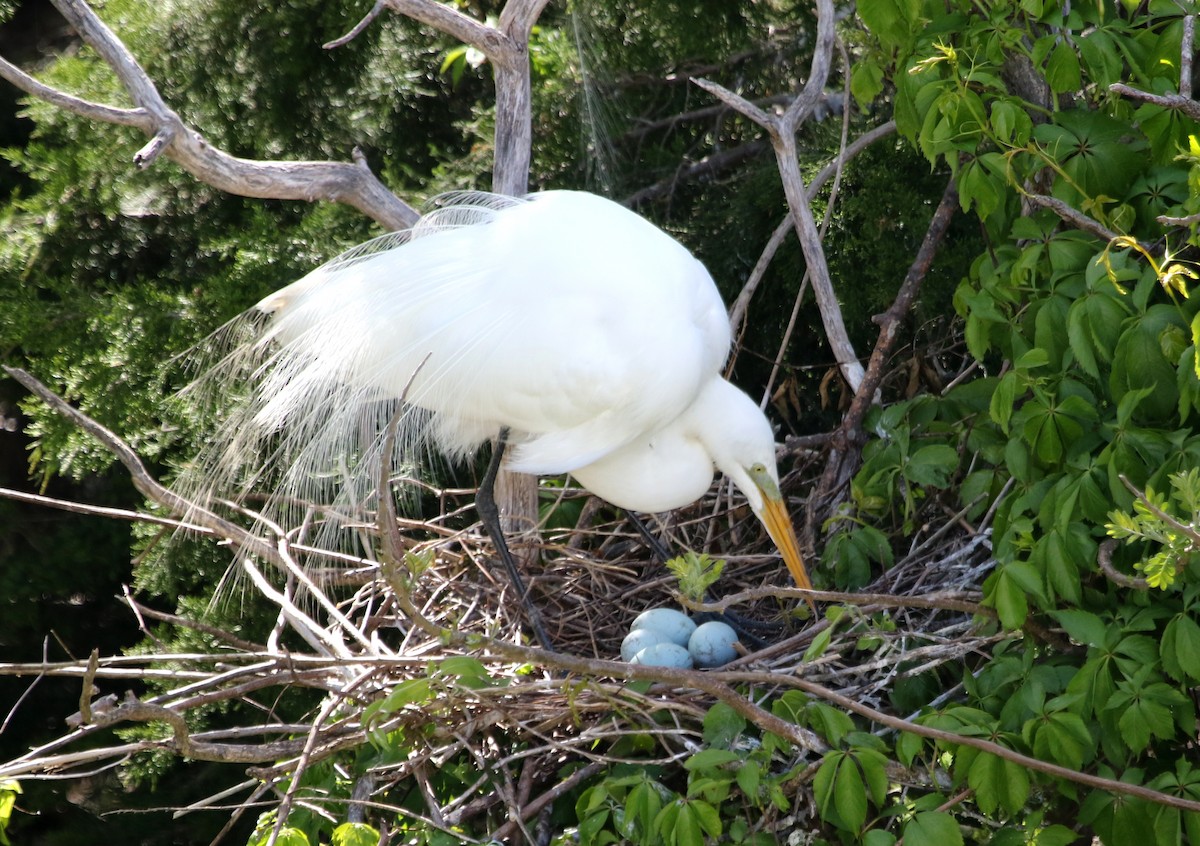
737 311
1168 101
1073 216
445 18
352 184
782 130
1104 560
708 166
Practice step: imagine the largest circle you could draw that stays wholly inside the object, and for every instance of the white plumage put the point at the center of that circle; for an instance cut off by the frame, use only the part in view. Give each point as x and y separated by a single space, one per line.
593 336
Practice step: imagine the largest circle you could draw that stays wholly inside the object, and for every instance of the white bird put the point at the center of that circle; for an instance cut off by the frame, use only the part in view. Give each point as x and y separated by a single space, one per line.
593 337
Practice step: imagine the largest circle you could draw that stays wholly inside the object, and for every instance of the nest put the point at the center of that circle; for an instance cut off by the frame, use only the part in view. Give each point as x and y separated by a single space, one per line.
423 707
537 727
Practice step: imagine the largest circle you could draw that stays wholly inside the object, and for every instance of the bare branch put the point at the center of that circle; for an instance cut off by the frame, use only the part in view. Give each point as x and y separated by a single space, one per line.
138 118
851 150
518 17
1185 56
1168 101
367 20
131 709
98 510
141 477
1073 216
1187 220
737 102
466 29
737 311
889 322
708 166
352 184
818 73
1104 560
782 130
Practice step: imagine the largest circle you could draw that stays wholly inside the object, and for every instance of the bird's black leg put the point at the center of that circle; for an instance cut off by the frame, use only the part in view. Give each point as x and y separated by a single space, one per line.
489 515
744 627
660 550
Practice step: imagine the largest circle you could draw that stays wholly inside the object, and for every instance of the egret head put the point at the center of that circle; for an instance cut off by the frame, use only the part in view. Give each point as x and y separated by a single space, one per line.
738 436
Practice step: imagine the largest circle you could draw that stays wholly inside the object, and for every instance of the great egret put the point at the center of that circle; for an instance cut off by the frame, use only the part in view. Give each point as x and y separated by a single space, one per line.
584 333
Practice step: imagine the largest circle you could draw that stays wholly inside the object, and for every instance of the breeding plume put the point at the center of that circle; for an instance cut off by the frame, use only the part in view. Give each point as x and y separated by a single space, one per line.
588 336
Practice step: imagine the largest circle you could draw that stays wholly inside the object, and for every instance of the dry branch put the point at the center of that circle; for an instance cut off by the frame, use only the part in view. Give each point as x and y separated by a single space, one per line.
353 184
782 128
1168 101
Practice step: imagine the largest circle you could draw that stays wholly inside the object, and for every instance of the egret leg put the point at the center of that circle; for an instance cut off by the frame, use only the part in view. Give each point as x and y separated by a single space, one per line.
489 515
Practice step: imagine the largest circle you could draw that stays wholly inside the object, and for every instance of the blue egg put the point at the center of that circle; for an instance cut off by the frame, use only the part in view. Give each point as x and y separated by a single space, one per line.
711 645
664 655
639 639
676 626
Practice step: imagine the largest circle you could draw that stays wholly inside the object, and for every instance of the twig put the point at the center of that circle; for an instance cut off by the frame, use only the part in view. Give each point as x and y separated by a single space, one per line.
307 753
1104 560
844 451
176 620
1168 101
1073 216
87 688
316 636
100 511
29 689
782 130
707 167
1183 528
367 20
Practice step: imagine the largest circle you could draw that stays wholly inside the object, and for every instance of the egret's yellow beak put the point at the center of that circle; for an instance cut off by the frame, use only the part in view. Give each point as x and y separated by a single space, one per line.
779 526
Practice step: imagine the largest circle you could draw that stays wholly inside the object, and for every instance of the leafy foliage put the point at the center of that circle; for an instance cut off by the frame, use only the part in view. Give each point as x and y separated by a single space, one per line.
1070 296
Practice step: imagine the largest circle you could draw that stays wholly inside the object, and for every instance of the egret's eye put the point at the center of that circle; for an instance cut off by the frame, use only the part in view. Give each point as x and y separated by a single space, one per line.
757 468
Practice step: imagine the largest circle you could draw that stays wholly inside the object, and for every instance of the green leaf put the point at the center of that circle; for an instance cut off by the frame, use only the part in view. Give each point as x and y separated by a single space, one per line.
932 828
998 783
978 188
866 82
908 746
722 725
828 721
642 807
874 769
686 831
708 817
470 671
1065 739
749 777
1055 835
878 837
819 644
932 465
1009 600
355 834
1001 407
1180 648
824 782
1062 69
288 836
1082 626
1101 57
850 796
9 790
